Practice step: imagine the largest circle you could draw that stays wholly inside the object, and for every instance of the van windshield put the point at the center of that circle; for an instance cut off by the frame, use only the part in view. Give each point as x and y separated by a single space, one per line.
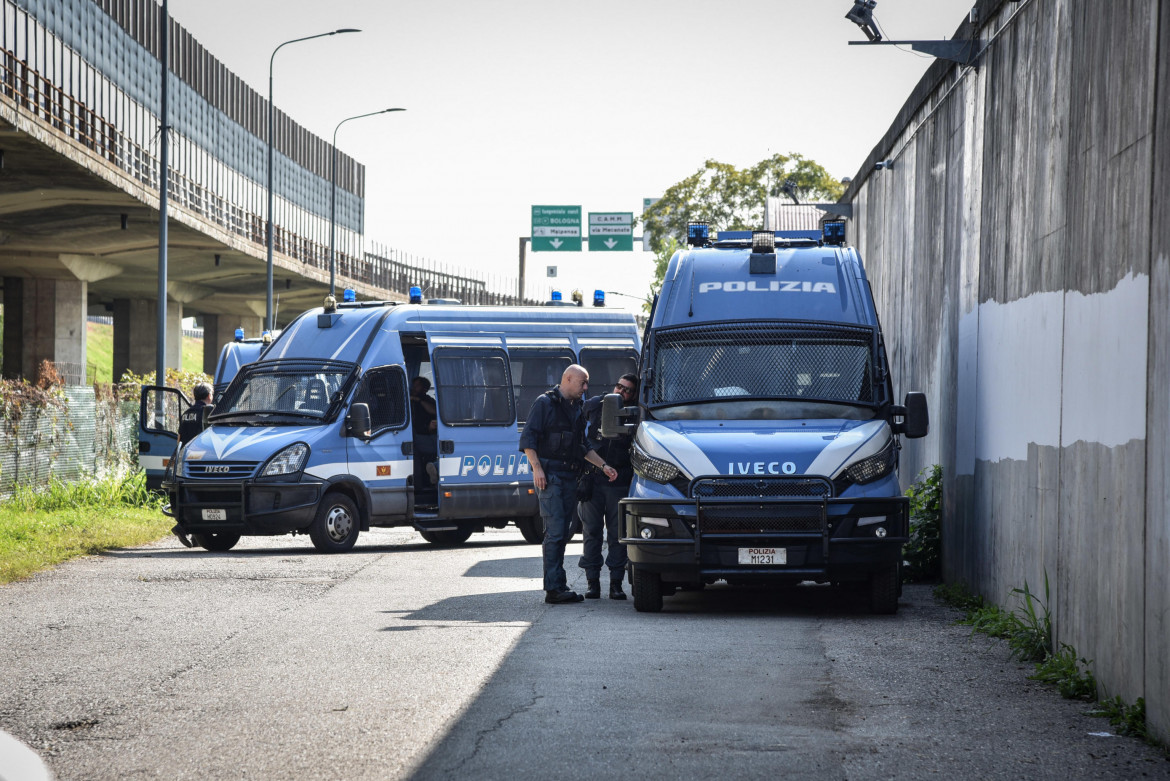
769 371
294 389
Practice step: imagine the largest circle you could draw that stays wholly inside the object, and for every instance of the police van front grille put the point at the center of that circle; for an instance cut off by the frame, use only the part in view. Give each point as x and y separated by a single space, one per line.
232 470
745 519
748 488
212 496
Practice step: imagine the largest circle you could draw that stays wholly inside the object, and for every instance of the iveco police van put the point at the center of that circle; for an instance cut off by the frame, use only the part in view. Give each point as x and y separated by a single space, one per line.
316 436
766 433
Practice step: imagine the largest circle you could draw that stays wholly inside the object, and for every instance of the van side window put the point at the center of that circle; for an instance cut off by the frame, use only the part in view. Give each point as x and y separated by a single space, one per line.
605 365
534 371
473 387
384 389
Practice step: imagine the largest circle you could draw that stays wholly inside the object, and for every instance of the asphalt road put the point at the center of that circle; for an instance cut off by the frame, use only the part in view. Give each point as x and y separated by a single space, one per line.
403 660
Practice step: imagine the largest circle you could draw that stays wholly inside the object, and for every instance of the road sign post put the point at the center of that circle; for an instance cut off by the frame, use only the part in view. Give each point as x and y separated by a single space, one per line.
611 231
556 228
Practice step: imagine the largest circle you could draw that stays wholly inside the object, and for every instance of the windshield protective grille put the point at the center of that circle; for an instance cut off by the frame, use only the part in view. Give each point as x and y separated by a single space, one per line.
763 361
295 387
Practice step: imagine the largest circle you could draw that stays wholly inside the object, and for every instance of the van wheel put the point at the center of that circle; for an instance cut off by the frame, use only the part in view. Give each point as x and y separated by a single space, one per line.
532 528
448 536
883 591
216 542
335 529
647 588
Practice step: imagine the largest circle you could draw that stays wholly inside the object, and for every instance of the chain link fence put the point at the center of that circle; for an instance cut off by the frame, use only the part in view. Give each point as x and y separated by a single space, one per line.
86 436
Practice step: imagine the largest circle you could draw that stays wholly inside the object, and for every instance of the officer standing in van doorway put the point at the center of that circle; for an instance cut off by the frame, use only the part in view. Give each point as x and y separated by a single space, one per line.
599 513
191 423
554 441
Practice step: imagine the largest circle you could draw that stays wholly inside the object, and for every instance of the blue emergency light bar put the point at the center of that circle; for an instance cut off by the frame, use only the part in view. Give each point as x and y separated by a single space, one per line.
556 295
415 294
349 296
239 334
833 232
598 298
698 233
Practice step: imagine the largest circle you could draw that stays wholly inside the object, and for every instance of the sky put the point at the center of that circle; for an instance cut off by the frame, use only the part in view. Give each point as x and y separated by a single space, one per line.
599 104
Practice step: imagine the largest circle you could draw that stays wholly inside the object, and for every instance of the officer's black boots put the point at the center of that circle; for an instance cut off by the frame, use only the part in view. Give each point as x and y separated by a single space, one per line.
561 597
594 590
615 590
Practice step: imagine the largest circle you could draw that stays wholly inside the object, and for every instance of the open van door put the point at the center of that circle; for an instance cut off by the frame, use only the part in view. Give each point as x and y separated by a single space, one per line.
381 457
159 412
482 473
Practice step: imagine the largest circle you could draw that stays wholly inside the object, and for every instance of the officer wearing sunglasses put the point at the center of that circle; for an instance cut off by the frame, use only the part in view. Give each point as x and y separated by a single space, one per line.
598 508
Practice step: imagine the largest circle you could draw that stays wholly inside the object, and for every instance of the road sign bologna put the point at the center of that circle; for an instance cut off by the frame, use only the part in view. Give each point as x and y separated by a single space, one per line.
556 228
611 231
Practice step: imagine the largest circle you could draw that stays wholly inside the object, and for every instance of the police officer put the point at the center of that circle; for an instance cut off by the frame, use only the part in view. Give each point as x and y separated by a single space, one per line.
600 510
191 423
554 441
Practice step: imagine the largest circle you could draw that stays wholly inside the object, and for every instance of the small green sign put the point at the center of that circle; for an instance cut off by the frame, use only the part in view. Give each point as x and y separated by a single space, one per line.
556 228
611 231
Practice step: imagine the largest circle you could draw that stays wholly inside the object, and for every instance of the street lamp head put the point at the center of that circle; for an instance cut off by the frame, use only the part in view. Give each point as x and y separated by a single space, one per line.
346 30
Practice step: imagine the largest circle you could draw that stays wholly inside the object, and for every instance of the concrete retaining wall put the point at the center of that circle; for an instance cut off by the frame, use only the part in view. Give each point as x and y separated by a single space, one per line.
1020 255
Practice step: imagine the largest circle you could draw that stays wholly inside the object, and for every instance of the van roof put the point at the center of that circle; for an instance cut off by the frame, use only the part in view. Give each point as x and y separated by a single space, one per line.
813 283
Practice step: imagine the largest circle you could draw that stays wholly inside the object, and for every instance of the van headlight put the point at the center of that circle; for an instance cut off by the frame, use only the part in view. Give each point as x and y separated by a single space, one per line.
287 461
651 468
869 469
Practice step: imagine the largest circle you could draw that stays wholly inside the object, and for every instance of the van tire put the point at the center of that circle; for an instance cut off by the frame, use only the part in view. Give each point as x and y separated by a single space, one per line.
221 541
335 528
647 588
448 536
883 591
532 528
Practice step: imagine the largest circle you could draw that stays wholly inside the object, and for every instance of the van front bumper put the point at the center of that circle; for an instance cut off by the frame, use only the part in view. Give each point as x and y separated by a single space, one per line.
830 539
246 507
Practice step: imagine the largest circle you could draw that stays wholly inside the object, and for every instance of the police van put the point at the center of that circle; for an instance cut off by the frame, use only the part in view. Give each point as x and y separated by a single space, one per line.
158 425
316 436
766 431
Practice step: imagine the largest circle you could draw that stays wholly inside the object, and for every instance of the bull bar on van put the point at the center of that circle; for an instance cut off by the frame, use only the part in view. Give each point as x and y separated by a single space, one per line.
815 535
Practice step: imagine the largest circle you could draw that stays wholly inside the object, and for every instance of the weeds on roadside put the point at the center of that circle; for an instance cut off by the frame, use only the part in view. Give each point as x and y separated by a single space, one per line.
922 555
1028 631
126 491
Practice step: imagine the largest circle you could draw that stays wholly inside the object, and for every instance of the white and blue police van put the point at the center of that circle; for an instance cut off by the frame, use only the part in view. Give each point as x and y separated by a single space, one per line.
157 425
766 435
316 436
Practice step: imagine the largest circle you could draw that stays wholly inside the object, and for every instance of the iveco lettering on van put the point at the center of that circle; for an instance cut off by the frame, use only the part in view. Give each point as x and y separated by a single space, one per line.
766 434
381 414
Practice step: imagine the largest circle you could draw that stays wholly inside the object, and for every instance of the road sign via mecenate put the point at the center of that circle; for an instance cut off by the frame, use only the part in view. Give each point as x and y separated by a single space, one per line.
556 228
611 231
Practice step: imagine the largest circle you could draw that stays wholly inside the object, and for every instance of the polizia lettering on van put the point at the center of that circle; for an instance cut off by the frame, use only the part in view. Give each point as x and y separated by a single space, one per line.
771 286
484 465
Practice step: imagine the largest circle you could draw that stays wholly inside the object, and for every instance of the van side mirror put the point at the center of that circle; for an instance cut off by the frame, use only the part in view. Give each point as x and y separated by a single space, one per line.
357 422
614 415
915 420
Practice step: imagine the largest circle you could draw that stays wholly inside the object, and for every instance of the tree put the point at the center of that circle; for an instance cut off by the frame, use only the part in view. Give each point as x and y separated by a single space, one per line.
728 198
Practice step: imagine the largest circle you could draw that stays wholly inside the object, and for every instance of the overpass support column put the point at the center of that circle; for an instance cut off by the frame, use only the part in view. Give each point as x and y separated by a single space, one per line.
44 319
136 336
218 330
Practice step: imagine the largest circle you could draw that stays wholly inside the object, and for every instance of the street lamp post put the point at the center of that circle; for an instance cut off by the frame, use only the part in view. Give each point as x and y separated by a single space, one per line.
268 317
333 194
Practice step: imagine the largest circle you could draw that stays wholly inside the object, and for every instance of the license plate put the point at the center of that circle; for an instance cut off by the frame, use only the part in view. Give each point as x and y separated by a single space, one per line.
763 556
221 515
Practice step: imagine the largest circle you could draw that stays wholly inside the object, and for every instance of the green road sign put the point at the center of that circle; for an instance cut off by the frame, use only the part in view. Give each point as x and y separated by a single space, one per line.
611 231
556 228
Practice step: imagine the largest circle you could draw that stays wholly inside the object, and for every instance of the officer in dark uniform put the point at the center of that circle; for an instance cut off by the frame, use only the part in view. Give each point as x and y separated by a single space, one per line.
600 511
191 423
554 441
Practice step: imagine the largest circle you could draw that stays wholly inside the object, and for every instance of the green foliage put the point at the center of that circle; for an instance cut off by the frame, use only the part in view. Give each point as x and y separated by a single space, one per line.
730 198
1071 676
993 621
1129 719
1033 641
128 490
923 554
958 595
99 350
131 383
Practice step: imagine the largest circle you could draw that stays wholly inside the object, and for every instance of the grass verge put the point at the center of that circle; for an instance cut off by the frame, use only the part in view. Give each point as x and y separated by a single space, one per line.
43 527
